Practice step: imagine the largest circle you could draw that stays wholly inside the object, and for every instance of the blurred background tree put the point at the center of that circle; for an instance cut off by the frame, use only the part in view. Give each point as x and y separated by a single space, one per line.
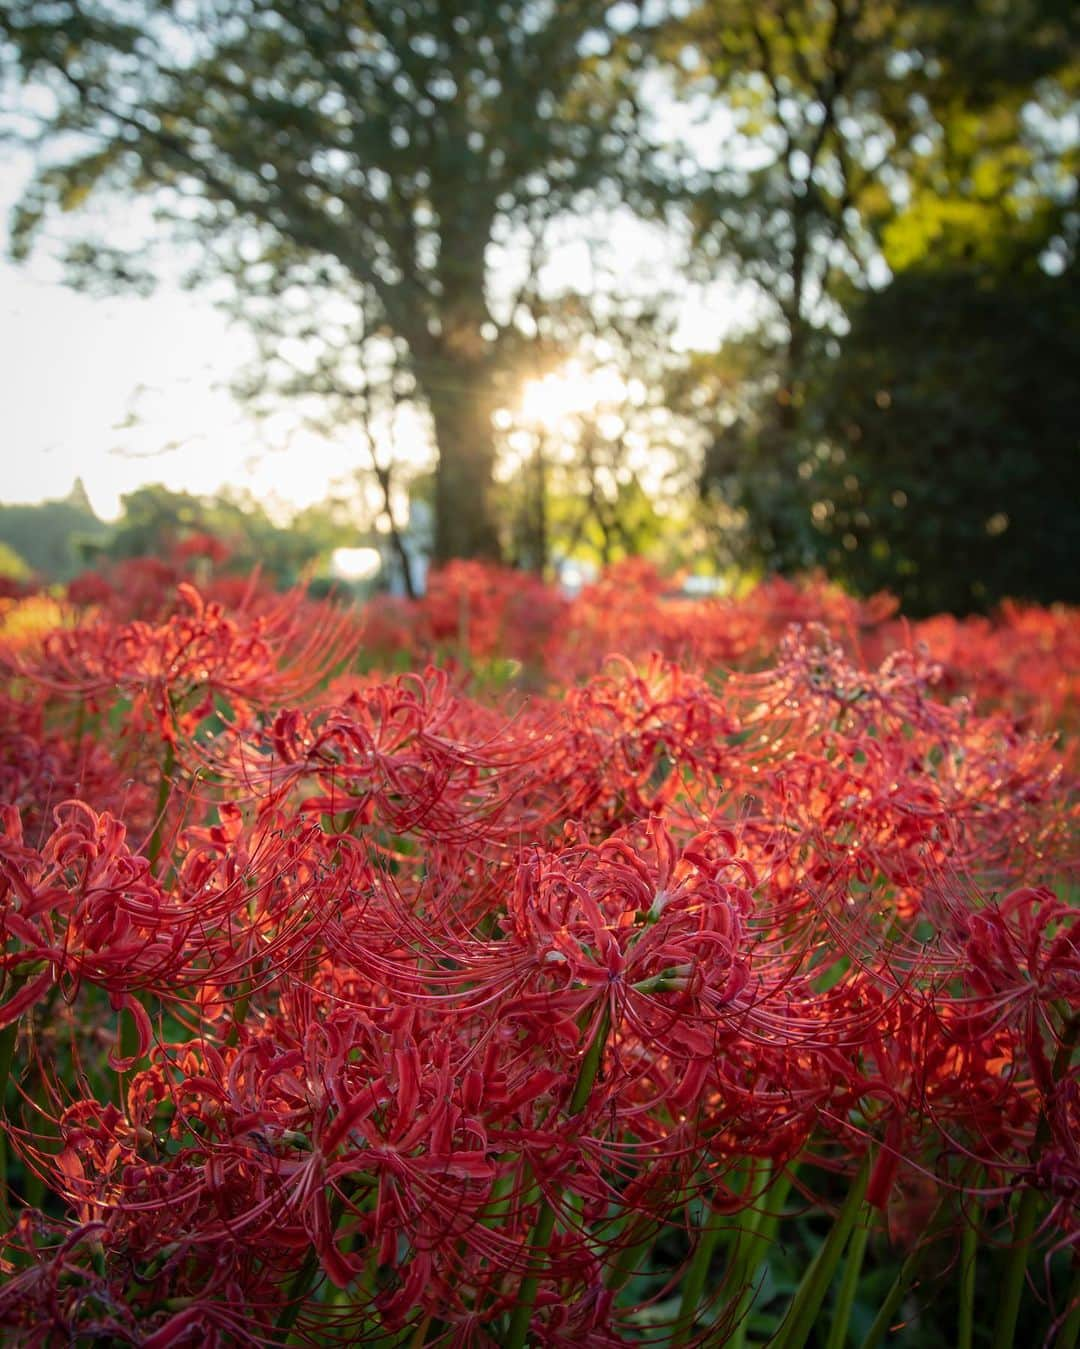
57 539
155 520
881 151
376 148
952 463
596 463
47 539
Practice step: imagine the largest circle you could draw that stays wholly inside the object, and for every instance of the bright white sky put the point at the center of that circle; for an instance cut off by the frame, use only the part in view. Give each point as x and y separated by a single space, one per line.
125 391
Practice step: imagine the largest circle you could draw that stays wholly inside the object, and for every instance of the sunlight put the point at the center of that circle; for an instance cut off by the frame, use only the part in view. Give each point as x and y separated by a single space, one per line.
356 564
570 392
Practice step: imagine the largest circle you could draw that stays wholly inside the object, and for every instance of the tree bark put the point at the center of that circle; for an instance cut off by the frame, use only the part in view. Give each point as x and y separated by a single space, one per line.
461 408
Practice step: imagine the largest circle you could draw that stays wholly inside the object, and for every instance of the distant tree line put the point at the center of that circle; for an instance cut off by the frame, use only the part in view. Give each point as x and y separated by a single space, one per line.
47 540
55 540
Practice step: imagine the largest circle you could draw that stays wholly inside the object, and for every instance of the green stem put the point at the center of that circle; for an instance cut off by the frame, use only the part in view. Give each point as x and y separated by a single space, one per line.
416 1341
772 1212
641 1230
129 1047
240 1011
496 1210
298 1289
1012 1286
810 1293
541 1236
765 1229
903 1281
631 1255
545 1220
1070 1330
164 788
838 1331
969 1247
694 1281
590 1066
8 1036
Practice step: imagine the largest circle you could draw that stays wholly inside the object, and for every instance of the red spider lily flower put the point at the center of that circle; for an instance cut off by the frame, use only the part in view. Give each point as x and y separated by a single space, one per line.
441 999
639 927
174 670
395 752
40 765
87 908
1020 961
635 744
202 545
490 611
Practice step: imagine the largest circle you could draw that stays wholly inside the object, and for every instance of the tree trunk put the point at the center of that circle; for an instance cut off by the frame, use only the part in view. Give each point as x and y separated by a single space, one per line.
383 477
461 410
541 506
795 351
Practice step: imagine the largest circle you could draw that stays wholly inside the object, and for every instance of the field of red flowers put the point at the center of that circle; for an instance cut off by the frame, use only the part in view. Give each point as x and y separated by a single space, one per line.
503 969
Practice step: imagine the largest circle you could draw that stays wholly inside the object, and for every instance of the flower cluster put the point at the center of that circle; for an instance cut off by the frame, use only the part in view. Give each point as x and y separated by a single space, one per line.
346 1006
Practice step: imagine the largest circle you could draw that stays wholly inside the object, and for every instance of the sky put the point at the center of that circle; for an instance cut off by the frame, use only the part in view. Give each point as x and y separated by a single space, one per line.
122 391
126 391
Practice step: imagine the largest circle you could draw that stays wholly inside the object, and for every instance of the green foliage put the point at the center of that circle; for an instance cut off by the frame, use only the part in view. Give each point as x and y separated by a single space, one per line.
931 142
156 519
46 538
12 566
350 175
951 448
605 456
875 132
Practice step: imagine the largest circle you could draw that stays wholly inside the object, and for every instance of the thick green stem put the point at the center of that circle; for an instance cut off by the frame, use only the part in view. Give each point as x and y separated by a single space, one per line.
965 1323
542 1233
590 1066
845 1300
752 1252
419 1335
298 1290
497 1209
1012 1286
545 1221
128 1037
696 1274
811 1292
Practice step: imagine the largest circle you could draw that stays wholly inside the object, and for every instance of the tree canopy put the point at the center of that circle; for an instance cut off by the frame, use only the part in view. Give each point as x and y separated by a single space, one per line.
950 417
892 164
